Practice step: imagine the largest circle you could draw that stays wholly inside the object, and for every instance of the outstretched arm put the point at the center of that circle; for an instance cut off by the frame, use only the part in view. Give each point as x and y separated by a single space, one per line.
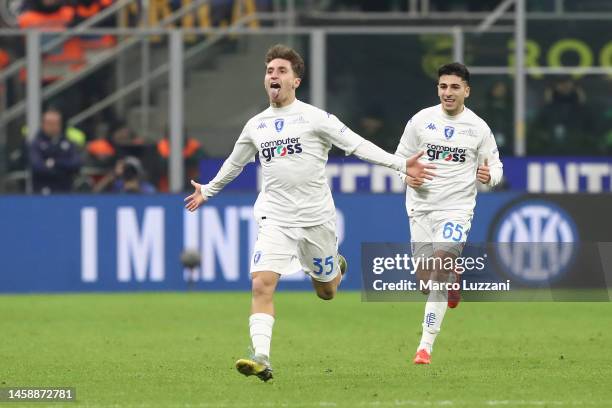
331 128
410 166
243 153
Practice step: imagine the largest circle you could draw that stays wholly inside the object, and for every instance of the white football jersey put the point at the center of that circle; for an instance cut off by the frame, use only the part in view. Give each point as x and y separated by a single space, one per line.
292 143
456 145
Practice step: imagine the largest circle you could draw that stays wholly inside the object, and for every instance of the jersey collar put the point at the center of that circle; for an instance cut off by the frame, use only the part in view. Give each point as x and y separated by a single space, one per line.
456 117
285 109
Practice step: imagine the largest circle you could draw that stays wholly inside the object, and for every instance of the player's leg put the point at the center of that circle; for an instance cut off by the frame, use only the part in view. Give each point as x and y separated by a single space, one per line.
435 307
450 233
261 320
261 323
274 250
421 236
318 255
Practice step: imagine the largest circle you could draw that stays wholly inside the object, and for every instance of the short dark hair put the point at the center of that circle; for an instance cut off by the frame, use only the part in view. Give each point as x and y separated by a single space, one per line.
287 53
455 68
53 109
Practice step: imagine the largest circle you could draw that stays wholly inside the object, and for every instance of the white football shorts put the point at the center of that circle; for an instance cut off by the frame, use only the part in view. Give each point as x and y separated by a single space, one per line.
286 250
433 231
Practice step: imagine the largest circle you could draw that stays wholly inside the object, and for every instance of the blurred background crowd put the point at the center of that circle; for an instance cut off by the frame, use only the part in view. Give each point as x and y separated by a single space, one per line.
374 83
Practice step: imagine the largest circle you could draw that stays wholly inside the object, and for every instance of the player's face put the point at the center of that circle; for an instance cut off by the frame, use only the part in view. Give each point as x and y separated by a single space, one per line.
452 91
280 82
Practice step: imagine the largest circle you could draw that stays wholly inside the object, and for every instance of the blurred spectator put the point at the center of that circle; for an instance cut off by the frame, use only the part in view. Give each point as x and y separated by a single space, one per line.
55 161
128 176
192 154
564 125
18 152
104 153
499 112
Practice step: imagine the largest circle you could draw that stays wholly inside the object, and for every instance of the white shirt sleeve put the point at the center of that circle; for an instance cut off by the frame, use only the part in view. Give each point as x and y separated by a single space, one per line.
488 150
369 152
336 132
408 144
244 152
330 128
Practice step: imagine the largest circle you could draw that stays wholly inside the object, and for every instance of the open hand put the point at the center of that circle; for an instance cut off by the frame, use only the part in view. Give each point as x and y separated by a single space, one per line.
417 171
195 200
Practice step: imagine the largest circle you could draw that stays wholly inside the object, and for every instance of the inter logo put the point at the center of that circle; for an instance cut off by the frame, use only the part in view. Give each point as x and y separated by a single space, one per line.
536 241
279 124
449 131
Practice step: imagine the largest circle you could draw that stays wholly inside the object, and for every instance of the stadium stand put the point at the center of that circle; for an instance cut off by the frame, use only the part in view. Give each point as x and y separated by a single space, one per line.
100 78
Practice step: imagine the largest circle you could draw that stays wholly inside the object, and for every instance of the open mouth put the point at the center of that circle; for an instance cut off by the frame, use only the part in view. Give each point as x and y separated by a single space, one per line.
275 89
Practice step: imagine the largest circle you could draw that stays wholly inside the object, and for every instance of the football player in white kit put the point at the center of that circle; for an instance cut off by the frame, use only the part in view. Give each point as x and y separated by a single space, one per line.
294 210
440 210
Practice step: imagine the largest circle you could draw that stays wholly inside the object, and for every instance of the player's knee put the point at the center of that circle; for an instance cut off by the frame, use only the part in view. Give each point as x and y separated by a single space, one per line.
441 274
423 274
260 287
326 294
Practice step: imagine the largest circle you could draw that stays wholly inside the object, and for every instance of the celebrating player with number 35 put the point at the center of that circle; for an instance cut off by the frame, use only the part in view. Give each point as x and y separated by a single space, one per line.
295 210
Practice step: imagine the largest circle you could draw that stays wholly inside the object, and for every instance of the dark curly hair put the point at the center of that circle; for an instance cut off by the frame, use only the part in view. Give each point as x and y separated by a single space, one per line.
289 54
455 68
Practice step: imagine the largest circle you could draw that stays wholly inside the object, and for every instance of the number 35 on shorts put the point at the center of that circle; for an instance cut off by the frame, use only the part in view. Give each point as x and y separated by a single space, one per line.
454 232
323 266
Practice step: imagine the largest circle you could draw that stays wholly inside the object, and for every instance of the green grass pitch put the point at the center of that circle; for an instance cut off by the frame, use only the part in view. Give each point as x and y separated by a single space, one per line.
178 350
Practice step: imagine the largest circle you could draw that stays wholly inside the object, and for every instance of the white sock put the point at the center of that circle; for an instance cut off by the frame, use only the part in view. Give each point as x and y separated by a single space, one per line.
260 326
435 308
